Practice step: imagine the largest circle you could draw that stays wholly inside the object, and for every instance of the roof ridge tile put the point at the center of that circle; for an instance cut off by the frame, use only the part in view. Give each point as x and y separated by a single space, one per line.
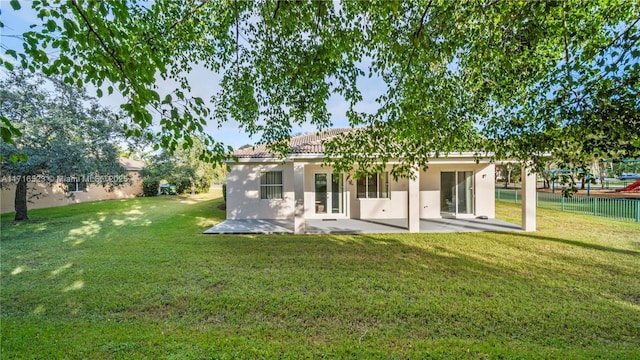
309 143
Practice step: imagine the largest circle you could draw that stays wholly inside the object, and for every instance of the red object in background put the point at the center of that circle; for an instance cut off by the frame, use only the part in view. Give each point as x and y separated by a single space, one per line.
631 187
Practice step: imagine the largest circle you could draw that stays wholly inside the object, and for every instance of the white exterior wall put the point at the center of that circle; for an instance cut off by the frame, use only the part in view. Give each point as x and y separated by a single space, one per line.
243 192
529 199
354 202
395 207
484 188
430 192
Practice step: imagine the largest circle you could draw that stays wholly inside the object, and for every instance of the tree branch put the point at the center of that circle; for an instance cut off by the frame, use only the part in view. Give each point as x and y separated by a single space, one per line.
237 38
275 12
416 34
179 21
148 38
110 52
318 13
567 58
103 44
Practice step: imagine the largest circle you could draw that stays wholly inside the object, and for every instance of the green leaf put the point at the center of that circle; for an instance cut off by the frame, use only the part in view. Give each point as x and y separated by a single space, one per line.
501 72
6 135
15 158
15 4
51 25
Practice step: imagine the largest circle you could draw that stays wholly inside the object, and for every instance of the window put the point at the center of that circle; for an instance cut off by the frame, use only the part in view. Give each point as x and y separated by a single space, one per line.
375 186
76 186
271 185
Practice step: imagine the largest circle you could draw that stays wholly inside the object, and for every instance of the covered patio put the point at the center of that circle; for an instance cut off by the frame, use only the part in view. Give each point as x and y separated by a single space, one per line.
360 226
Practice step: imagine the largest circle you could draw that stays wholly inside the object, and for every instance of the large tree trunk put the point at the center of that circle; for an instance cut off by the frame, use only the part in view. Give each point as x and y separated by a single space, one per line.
21 200
545 180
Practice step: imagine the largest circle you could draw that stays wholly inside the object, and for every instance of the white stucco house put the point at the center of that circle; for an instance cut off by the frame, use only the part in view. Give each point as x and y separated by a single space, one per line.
299 188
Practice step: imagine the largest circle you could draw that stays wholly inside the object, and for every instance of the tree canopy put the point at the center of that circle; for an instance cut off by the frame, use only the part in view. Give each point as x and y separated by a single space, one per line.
65 137
519 78
182 169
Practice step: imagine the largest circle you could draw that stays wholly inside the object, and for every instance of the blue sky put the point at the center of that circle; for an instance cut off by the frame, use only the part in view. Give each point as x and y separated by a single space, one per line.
204 83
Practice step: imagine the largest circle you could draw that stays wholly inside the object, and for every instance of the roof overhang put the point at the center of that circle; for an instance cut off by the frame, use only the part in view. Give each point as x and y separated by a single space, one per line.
462 157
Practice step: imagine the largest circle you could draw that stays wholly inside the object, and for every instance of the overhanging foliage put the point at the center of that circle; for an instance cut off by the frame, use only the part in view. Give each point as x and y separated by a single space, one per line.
531 76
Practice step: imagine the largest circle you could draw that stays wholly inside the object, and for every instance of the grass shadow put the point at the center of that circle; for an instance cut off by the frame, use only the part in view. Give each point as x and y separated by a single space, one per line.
577 243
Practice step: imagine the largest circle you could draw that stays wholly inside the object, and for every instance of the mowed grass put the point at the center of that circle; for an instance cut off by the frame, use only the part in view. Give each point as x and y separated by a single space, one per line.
136 279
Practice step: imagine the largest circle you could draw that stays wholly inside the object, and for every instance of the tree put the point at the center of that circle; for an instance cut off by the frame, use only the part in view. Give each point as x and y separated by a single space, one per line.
183 169
65 136
518 78
510 173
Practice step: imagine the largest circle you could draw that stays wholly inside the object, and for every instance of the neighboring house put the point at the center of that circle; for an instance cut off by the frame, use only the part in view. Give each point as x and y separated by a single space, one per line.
260 186
41 195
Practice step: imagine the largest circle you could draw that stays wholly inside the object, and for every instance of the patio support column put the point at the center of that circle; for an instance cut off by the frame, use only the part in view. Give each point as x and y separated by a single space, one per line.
298 194
414 202
528 199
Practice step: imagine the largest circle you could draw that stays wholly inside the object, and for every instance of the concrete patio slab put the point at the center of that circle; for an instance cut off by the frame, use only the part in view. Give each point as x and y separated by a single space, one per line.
352 226
360 226
252 226
466 225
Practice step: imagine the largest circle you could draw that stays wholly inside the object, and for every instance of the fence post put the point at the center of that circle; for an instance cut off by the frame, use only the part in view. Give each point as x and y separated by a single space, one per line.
637 210
562 201
595 206
498 190
516 193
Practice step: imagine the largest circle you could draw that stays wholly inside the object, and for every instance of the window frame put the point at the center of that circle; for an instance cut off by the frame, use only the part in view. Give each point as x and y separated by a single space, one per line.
76 186
381 183
264 195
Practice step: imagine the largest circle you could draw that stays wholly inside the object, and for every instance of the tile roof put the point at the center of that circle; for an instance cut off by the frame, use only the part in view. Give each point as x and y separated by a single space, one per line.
310 143
131 165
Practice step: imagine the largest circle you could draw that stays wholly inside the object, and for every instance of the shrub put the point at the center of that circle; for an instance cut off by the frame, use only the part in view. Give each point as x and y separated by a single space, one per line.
150 187
202 185
183 185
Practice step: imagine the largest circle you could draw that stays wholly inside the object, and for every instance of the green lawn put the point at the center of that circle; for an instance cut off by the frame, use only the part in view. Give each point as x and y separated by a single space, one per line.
136 279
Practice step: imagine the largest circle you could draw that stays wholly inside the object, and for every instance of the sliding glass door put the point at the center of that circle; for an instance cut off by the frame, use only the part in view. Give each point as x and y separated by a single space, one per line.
329 193
465 192
337 194
456 192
